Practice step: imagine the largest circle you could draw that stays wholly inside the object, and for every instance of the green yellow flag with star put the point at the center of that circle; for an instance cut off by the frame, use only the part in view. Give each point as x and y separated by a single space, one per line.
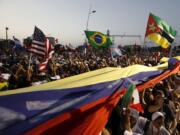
159 31
98 39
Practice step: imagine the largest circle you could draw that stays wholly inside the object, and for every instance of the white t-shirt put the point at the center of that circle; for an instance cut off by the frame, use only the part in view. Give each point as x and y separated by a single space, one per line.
139 126
126 132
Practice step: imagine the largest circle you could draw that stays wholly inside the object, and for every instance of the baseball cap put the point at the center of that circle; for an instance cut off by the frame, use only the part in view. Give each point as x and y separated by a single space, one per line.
157 115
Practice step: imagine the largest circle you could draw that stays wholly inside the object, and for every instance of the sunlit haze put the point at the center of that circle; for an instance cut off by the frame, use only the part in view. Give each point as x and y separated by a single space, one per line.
66 19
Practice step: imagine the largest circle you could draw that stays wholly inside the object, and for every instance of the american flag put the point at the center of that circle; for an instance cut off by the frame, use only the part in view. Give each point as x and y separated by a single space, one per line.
38 46
49 47
42 47
48 54
43 65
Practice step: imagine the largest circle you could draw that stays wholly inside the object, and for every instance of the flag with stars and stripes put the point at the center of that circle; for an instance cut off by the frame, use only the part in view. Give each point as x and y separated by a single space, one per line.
38 46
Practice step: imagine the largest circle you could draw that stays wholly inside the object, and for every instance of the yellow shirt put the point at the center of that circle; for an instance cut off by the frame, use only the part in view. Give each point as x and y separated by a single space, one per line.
3 84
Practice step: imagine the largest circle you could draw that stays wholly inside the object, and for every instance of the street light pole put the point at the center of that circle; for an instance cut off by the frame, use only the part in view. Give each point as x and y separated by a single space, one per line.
7 33
90 12
7 43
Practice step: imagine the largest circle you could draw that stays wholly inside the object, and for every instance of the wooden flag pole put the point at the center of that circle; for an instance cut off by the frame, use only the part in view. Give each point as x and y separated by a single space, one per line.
30 57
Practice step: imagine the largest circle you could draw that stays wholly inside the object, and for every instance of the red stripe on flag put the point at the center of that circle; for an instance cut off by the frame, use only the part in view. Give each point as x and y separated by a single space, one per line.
84 121
159 78
138 107
42 66
48 55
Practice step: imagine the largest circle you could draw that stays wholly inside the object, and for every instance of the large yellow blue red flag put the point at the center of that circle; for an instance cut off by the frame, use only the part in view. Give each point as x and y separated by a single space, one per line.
80 104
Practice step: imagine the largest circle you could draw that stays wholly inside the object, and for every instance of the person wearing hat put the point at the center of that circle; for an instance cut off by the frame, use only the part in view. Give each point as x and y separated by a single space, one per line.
160 105
156 126
142 126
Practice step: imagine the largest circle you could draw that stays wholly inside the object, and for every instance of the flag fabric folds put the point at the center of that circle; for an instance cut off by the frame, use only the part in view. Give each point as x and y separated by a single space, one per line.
48 47
42 47
159 31
38 46
17 43
115 51
43 65
127 98
98 39
131 99
82 104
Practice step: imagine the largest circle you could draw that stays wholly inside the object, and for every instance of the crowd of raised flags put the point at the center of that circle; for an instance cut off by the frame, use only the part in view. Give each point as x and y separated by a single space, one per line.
157 31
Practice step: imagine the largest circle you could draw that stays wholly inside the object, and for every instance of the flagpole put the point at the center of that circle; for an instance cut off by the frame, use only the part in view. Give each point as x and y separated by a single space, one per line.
89 13
111 53
144 46
171 49
88 17
29 64
87 23
7 43
112 48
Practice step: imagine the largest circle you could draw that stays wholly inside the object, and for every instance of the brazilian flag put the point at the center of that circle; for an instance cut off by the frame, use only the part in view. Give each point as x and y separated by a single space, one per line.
97 39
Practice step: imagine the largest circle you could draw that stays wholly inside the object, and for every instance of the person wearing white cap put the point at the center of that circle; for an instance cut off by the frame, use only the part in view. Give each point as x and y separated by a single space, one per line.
156 126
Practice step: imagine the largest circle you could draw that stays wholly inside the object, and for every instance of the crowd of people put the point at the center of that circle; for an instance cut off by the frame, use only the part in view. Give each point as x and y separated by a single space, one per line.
19 69
161 114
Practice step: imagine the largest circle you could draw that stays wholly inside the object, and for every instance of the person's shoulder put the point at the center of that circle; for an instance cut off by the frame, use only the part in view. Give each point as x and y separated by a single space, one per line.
142 120
126 132
164 131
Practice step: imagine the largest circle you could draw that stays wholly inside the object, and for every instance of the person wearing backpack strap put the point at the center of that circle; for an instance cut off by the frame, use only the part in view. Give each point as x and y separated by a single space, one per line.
138 123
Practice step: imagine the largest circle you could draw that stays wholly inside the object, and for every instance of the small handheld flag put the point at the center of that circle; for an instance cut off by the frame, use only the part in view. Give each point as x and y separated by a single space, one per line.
131 99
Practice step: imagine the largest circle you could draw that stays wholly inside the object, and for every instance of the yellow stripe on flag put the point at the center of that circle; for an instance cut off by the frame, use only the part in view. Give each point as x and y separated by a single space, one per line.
89 78
165 59
164 62
158 39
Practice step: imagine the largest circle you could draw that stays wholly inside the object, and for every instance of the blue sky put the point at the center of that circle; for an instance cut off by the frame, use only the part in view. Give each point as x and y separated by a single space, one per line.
66 19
